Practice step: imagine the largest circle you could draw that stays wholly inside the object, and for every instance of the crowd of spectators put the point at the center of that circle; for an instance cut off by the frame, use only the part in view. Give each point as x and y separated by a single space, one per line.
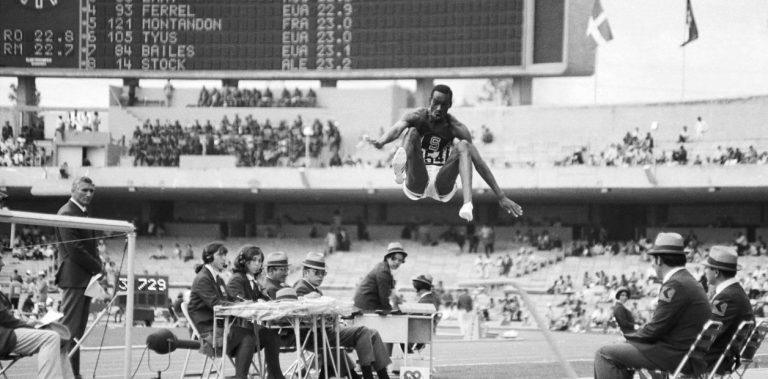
236 97
635 150
21 150
254 144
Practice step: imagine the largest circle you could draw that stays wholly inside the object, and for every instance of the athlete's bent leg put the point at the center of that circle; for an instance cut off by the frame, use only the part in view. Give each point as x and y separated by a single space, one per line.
415 171
458 164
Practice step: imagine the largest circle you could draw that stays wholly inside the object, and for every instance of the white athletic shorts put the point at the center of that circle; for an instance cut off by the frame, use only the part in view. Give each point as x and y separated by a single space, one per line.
430 191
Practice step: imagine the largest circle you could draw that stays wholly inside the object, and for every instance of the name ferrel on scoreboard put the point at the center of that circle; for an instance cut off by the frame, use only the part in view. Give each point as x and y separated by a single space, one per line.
278 35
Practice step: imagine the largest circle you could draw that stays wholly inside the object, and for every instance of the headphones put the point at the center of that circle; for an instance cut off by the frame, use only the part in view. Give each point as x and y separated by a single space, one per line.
241 260
210 250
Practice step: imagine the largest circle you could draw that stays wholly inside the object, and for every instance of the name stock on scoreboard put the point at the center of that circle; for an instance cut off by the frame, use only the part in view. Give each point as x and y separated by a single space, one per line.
262 35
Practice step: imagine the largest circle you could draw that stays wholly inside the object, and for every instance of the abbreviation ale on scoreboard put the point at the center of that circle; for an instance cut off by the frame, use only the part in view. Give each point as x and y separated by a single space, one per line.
261 35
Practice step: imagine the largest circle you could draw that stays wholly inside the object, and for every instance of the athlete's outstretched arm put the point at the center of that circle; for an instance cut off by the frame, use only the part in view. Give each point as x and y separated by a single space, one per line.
462 132
391 134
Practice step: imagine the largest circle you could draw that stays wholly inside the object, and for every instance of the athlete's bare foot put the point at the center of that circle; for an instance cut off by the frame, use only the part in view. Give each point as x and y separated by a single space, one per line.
466 212
398 165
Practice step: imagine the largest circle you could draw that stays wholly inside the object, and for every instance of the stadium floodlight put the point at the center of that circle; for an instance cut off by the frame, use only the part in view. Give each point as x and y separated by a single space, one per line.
43 219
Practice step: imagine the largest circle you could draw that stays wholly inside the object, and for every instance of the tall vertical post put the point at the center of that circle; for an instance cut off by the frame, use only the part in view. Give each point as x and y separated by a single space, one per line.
25 96
129 306
423 91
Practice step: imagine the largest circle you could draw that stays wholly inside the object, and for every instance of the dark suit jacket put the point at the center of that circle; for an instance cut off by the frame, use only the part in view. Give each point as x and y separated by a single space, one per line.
430 298
624 318
731 306
681 312
78 260
207 292
239 287
7 324
303 287
271 287
373 293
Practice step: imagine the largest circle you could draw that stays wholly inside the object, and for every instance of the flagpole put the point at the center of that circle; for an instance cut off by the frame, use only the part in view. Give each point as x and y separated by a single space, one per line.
682 86
597 56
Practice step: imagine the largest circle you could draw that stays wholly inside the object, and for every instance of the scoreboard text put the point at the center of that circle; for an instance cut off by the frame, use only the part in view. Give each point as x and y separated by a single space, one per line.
175 36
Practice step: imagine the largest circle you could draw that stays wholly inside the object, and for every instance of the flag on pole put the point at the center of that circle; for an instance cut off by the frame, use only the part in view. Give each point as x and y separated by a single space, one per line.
690 21
598 26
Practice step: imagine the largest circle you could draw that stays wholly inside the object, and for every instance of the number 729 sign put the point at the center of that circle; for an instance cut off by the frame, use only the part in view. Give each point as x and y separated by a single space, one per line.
144 283
150 291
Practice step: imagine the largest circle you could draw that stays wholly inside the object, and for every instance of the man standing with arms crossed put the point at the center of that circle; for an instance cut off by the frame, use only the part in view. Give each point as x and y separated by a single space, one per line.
78 261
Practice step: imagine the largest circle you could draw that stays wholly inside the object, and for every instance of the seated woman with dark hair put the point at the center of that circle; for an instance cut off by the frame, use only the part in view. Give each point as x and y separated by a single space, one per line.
208 291
244 286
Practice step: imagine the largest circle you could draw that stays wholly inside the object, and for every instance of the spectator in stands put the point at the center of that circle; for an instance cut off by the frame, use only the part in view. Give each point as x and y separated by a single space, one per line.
374 291
623 317
189 253
168 92
277 272
488 238
701 127
682 310
684 137
730 304
741 243
64 171
487 135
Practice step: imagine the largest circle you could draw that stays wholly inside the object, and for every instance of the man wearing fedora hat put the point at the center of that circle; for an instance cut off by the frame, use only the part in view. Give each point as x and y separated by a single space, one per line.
623 316
277 272
681 312
423 286
371 351
374 291
730 303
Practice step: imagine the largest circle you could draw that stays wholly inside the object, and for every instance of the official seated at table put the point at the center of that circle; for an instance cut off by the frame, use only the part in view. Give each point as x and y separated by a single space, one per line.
243 286
277 272
208 291
374 291
371 351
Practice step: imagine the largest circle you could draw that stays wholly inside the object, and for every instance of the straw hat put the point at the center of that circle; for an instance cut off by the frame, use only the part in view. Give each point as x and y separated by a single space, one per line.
315 261
395 248
668 243
286 294
426 279
722 258
278 259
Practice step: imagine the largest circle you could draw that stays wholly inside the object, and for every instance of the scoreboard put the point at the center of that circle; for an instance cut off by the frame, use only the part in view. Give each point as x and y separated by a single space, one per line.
289 38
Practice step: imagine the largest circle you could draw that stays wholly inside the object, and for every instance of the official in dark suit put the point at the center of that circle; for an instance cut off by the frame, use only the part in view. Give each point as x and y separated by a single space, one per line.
730 304
621 314
78 261
371 351
423 286
277 272
374 291
243 286
681 312
208 291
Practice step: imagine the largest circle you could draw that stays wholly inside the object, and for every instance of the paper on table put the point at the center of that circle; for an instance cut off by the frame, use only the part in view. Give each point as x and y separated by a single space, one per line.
49 317
94 289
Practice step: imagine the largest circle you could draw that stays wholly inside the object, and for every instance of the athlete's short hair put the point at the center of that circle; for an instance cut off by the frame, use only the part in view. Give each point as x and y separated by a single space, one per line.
442 88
